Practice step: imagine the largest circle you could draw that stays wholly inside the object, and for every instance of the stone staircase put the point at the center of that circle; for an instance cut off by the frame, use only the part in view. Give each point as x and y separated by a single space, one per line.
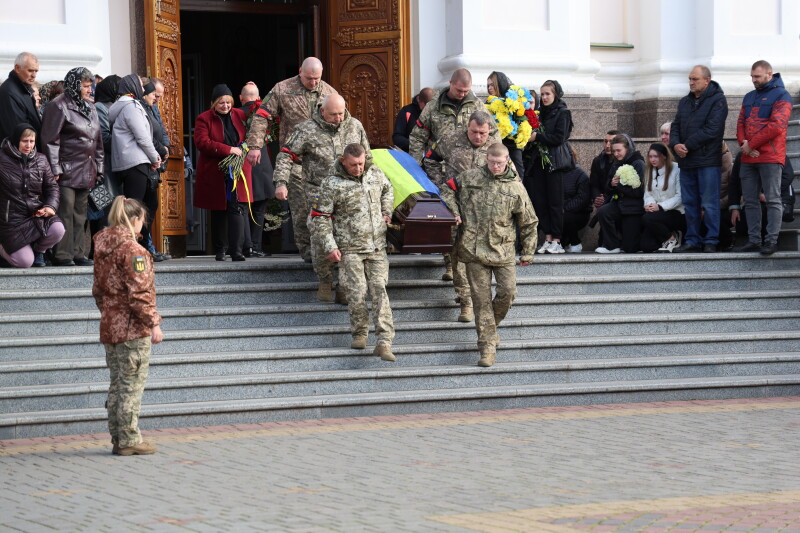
792 229
247 342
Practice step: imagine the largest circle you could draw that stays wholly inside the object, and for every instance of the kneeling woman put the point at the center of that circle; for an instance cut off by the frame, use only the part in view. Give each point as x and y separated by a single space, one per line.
124 290
663 222
29 199
623 212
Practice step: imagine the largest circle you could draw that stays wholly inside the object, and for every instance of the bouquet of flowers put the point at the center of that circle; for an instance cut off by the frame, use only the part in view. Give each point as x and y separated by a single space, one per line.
510 114
274 216
232 166
628 176
533 120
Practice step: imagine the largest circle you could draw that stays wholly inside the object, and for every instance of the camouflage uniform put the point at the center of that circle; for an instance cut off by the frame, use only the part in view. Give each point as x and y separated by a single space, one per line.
448 158
489 206
319 144
290 103
440 117
349 217
124 291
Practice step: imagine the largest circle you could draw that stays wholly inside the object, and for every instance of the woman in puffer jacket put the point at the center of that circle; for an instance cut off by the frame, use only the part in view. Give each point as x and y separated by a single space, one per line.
29 200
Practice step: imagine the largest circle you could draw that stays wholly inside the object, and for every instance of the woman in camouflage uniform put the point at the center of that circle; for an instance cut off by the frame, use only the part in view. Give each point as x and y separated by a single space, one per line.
124 290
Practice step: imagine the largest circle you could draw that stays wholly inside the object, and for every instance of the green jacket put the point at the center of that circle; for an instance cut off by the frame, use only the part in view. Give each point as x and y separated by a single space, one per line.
489 207
317 145
350 209
439 118
454 154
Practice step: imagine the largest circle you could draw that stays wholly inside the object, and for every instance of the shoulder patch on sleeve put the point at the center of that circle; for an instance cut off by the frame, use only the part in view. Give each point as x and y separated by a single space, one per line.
139 264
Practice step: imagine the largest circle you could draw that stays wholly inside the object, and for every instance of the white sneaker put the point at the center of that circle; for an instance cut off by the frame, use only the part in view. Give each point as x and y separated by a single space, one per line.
543 249
555 248
574 248
668 246
604 250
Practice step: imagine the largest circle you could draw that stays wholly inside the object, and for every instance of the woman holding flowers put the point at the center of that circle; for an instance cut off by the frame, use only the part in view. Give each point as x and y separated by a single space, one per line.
219 133
498 86
663 220
622 213
544 184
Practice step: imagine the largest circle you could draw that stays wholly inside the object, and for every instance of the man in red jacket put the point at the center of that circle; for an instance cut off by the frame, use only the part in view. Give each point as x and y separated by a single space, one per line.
761 132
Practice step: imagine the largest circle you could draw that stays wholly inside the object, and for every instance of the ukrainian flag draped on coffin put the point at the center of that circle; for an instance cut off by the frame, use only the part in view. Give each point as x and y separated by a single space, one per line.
404 172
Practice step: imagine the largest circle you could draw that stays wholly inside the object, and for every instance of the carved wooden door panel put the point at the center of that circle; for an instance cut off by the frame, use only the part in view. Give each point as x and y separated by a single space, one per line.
162 35
369 55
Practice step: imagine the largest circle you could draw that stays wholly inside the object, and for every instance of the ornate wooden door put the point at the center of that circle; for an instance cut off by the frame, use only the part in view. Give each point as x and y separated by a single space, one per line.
370 66
162 35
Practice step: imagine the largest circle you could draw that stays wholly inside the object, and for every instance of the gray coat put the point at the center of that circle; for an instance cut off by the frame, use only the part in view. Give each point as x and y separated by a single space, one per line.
131 135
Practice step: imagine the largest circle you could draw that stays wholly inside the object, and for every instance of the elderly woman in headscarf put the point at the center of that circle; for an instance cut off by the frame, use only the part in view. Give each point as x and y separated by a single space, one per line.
48 91
133 154
497 84
73 145
28 201
545 184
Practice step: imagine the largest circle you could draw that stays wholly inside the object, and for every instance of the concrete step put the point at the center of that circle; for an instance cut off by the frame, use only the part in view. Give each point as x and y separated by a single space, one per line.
389 378
330 336
247 362
73 421
430 310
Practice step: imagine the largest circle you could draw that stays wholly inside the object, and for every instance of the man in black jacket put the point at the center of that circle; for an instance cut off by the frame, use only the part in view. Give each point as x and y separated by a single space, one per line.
696 139
407 118
17 104
601 165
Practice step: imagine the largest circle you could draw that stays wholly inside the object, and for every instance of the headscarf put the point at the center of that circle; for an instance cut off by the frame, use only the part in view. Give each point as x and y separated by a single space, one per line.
503 83
72 88
106 91
557 104
148 88
46 92
15 137
132 85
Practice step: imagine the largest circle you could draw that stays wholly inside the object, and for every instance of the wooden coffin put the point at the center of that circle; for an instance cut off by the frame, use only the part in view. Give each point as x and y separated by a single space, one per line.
421 224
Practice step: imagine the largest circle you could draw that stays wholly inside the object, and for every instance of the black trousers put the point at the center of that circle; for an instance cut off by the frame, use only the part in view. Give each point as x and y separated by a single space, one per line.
658 226
230 221
546 190
136 184
613 223
573 223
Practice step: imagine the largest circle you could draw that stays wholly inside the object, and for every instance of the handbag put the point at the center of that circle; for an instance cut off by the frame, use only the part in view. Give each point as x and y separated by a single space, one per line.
100 196
561 157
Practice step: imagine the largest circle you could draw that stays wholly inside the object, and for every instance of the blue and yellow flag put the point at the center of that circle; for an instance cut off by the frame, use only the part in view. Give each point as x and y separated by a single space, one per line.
404 172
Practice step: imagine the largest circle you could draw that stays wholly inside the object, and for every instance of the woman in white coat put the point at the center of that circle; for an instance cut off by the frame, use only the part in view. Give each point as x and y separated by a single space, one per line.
663 222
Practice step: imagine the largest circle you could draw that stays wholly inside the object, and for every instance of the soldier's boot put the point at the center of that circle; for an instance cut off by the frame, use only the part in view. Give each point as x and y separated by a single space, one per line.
115 447
486 360
467 315
143 448
359 343
341 295
448 273
325 291
384 351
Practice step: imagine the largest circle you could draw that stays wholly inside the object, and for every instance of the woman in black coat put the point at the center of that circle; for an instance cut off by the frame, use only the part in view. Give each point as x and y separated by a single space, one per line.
624 206
545 187
29 200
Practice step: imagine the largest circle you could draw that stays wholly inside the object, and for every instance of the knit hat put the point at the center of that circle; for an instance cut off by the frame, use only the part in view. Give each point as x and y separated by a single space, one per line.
661 148
220 90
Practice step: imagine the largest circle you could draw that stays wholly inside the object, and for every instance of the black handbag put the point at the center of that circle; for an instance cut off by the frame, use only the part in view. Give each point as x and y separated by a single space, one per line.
100 196
561 157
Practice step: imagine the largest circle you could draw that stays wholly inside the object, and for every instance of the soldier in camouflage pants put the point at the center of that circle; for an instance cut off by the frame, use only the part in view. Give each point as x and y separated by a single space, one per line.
318 142
354 207
489 203
289 103
455 153
128 363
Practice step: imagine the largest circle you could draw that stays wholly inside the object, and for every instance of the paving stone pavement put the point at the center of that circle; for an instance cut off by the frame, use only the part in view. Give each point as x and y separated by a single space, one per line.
729 465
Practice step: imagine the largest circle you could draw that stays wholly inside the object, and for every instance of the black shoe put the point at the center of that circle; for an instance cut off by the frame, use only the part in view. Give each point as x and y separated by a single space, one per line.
247 252
4 263
769 248
237 257
220 256
256 253
63 262
38 259
709 248
83 262
748 247
687 248
158 256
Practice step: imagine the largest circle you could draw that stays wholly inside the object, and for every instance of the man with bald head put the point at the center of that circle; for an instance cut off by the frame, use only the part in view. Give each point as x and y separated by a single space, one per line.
449 110
17 102
289 103
316 145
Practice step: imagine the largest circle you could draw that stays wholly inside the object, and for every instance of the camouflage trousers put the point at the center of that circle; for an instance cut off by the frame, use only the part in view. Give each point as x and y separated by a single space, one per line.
128 363
322 267
489 312
357 274
300 210
460 281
